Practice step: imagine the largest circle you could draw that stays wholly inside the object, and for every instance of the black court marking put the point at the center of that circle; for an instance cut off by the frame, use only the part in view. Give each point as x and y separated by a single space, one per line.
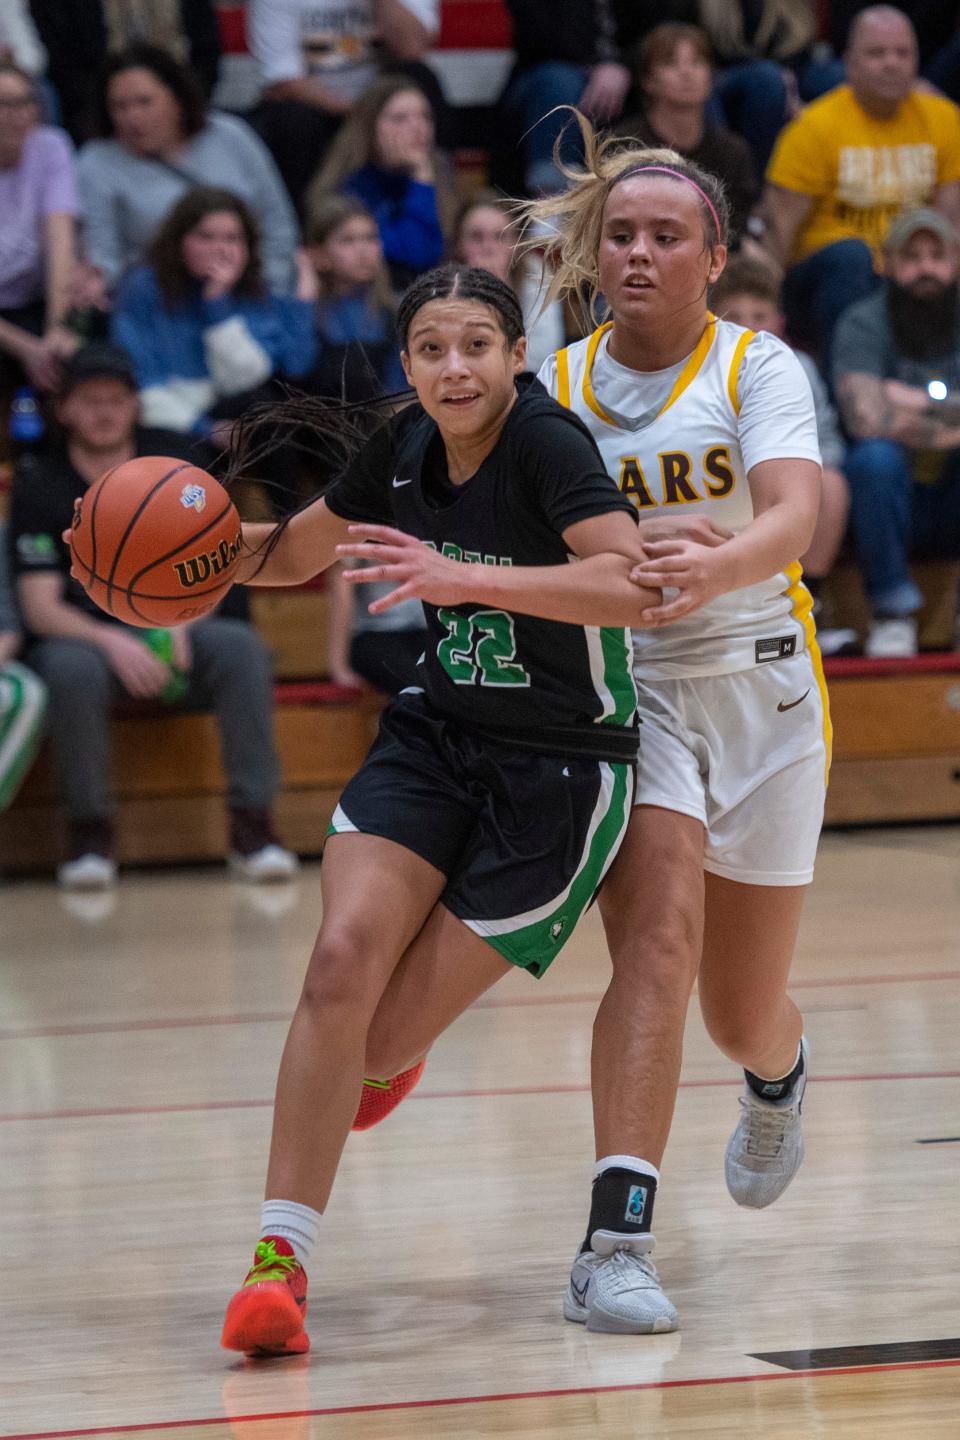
940 1140
834 1355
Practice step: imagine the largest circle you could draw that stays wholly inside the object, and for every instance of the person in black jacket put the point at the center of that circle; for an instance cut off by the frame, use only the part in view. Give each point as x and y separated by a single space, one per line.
78 39
568 52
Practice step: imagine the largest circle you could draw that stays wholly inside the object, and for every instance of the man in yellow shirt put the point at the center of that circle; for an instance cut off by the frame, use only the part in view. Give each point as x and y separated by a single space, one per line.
849 164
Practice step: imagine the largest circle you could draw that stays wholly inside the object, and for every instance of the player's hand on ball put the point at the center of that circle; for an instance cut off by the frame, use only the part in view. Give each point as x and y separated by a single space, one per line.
135 665
419 571
693 569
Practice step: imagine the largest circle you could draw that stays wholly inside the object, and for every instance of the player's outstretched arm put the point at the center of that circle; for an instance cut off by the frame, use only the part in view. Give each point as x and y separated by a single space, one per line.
597 590
292 551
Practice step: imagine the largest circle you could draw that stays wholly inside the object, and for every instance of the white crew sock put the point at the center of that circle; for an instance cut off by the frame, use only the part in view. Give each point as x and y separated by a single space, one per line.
626 1162
296 1223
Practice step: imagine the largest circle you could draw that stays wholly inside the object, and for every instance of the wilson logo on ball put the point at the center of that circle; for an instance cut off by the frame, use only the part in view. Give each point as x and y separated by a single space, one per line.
198 568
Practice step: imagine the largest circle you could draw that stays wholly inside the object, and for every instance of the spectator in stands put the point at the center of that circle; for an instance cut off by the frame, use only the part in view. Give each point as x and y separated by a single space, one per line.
897 379
79 36
385 155
204 332
379 650
937 27
674 74
848 165
38 207
748 294
486 236
22 693
19 42
359 355
317 57
88 661
566 53
162 142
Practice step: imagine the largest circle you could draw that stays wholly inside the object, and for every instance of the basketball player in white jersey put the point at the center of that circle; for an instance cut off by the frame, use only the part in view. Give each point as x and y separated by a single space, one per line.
711 431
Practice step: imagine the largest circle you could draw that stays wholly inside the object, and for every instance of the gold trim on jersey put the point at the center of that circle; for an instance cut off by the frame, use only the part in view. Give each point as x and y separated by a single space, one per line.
733 376
563 377
686 377
802 612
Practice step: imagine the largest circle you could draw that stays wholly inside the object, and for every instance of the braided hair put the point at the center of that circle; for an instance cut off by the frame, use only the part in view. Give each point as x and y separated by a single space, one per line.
462 282
317 436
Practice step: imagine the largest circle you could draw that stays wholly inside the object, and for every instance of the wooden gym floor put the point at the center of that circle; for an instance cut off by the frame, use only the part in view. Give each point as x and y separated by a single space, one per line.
138 1052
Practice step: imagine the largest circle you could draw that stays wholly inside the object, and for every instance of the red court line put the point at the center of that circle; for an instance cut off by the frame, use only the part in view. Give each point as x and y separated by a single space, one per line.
261 1017
505 1091
435 1404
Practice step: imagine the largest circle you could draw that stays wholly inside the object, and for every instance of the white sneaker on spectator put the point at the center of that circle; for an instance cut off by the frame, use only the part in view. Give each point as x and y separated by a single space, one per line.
87 872
269 864
892 639
838 640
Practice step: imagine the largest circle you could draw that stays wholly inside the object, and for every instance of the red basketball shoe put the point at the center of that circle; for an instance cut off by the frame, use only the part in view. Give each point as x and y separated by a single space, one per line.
379 1097
266 1315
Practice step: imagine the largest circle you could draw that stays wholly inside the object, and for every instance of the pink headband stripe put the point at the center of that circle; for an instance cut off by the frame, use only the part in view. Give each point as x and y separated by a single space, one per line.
677 175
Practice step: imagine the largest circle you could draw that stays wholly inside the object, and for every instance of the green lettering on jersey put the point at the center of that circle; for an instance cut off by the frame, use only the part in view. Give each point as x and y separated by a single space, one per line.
480 646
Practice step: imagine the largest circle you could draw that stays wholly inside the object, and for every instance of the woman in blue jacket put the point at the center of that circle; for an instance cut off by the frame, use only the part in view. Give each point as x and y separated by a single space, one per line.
385 156
204 332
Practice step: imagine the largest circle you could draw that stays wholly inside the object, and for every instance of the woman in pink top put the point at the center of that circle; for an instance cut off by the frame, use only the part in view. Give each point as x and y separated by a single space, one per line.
38 208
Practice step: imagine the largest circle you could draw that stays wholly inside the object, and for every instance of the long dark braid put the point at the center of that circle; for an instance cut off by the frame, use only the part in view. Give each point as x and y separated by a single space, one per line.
462 282
325 435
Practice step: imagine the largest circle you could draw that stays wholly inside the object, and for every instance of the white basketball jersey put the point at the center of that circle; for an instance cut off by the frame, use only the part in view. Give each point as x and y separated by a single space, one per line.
688 453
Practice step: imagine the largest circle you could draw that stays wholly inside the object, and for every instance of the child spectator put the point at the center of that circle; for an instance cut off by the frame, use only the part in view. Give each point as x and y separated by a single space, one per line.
89 660
674 73
22 694
161 141
203 330
747 293
386 157
358 349
485 236
38 207
317 57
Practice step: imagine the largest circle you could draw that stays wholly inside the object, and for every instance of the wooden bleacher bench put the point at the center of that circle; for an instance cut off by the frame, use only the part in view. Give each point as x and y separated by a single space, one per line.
896 739
896 752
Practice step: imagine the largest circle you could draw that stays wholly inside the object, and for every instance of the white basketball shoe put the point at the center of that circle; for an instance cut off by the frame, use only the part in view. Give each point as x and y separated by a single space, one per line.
765 1150
614 1288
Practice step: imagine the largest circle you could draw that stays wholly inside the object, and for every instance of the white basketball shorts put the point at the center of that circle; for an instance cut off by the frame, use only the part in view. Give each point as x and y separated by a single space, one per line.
748 754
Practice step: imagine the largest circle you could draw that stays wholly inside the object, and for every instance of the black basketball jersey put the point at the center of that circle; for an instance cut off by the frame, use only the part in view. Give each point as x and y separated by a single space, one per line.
540 684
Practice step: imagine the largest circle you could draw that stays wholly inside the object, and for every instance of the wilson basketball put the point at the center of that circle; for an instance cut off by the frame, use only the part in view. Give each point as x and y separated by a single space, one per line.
156 541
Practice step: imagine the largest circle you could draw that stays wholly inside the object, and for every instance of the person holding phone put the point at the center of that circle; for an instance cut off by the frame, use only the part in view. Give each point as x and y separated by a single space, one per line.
897 378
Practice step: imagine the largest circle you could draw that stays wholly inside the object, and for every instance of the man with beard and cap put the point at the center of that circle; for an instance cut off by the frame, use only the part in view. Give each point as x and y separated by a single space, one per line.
896 368
847 166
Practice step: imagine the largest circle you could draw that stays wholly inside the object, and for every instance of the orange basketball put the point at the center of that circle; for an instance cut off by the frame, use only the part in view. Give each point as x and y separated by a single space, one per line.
156 541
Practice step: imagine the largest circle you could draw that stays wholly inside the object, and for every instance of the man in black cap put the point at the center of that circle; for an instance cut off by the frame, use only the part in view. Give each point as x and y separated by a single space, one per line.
88 660
896 369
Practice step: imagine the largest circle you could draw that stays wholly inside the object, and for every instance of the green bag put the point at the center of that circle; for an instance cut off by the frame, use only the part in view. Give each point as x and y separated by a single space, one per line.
23 704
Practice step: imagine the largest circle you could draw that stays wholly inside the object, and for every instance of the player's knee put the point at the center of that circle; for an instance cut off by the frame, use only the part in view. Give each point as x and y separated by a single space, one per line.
664 953
740 1034
343 975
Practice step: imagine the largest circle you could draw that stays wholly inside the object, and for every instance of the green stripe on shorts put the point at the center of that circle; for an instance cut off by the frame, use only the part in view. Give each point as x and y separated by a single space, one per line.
533 941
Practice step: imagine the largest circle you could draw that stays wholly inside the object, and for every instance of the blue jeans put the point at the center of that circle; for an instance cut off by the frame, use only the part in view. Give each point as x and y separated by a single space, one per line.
816 291
751 98
529 96
892 517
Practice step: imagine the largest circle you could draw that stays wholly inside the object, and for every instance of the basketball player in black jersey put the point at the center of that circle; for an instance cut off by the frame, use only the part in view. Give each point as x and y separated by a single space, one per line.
496 795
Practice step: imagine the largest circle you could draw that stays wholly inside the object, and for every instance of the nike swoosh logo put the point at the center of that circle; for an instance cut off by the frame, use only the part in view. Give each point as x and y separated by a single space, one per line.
793 703
397 483
579 1291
